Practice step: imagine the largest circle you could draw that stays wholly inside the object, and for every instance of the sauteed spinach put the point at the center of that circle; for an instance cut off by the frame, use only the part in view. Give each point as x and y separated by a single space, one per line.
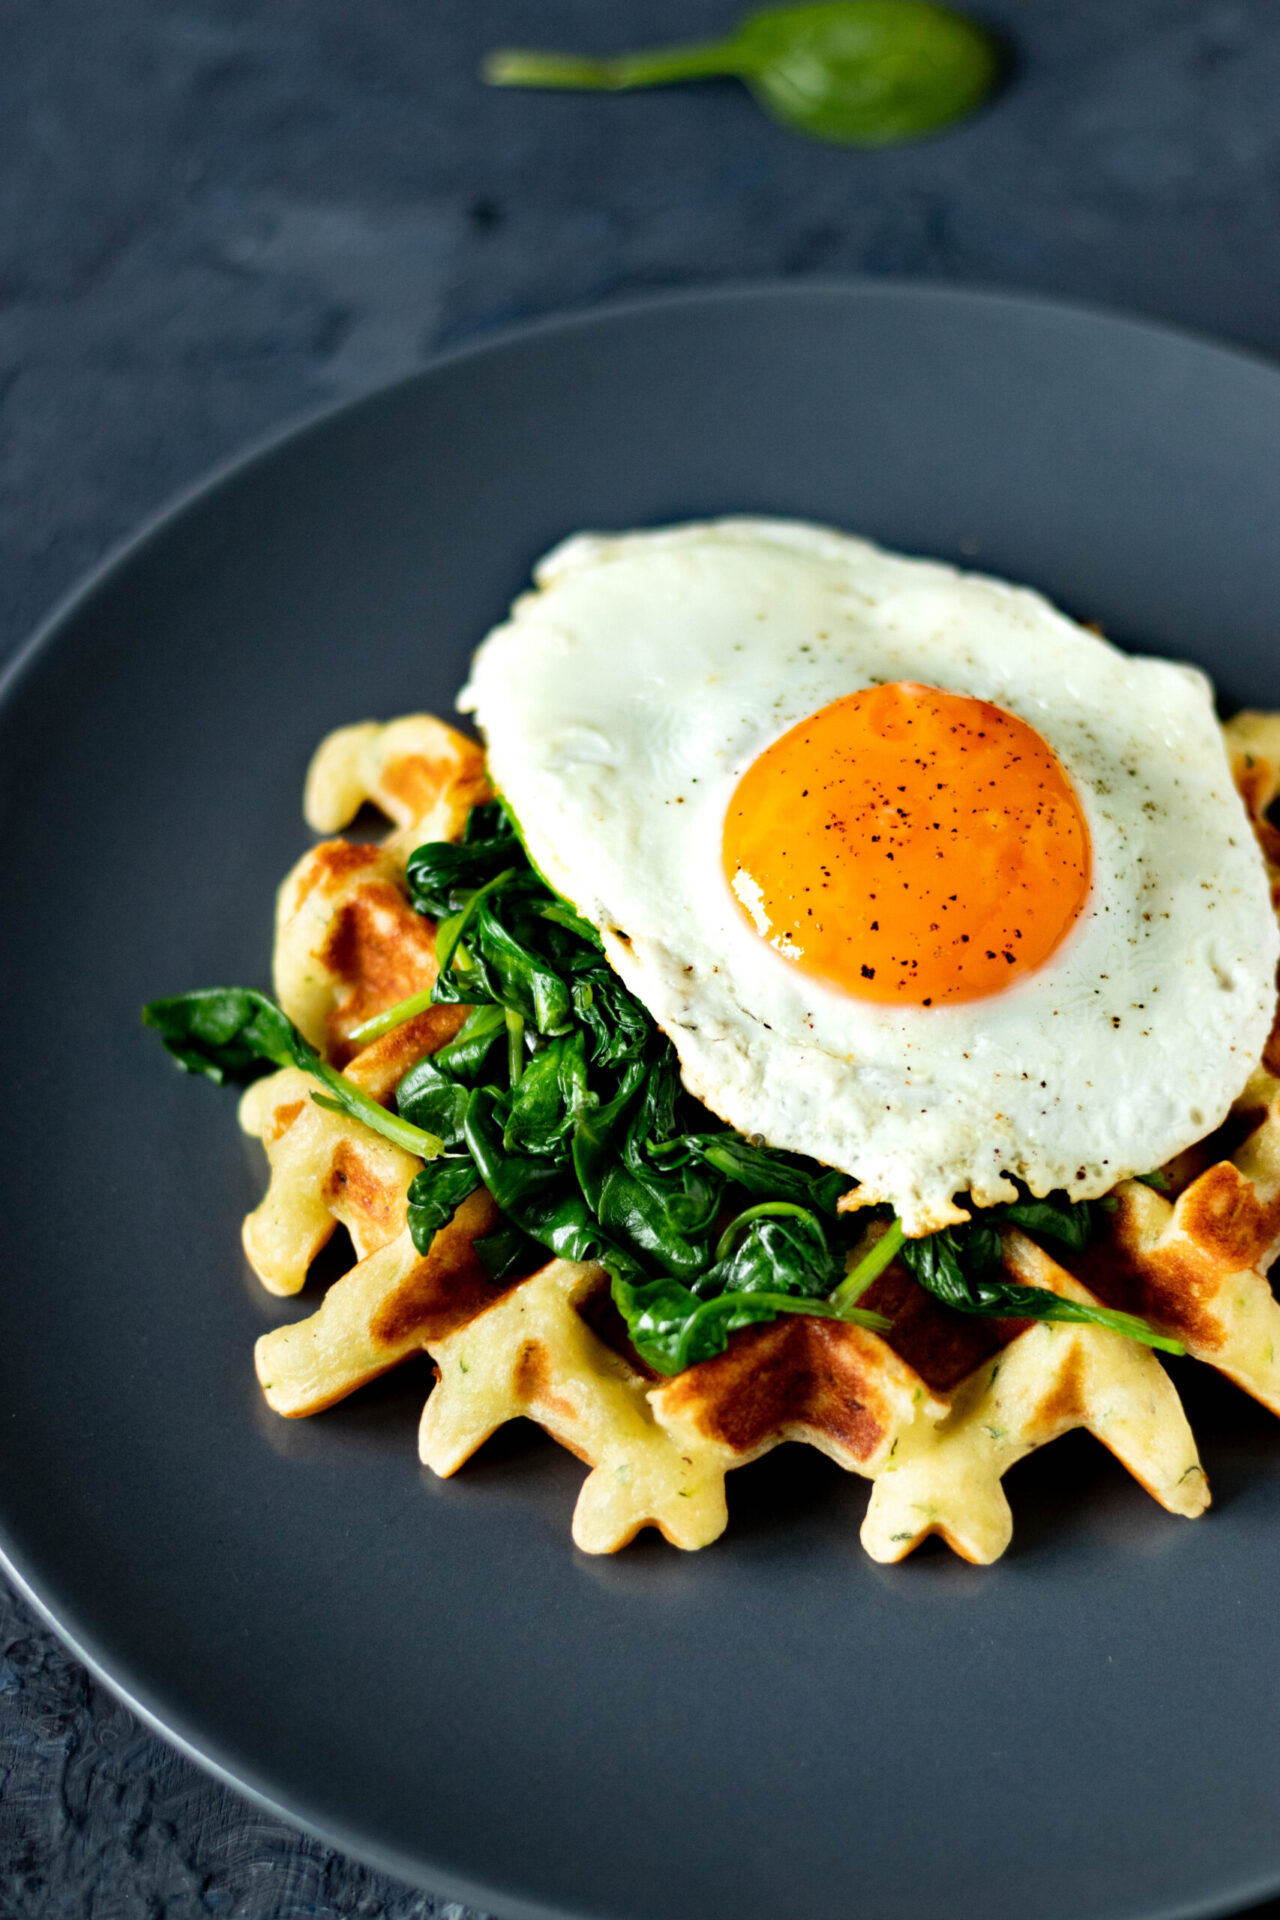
562 1097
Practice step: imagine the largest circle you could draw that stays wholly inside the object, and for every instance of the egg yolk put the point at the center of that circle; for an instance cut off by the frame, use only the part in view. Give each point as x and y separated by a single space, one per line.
910 846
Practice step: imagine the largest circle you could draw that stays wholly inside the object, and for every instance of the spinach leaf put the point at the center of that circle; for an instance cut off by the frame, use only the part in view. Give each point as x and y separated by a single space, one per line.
774 1247
428 1098
561 914
225 1033
1055 1218
759 1169
464 1056
861 73
961 1266
613 1219
520 978
652 1211
236 1033
548 1099
581 1130
619 1027
441 872
538 1194
508 1251
597 1141
672 1328
435 1195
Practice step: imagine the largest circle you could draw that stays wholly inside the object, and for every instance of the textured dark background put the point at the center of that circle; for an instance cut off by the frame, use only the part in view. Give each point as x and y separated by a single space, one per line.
217 215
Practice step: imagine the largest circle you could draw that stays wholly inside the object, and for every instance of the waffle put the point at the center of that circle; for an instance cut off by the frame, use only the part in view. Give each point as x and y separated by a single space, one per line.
532 1354
1195 1265
348 943
424 776
936 1447
933 1413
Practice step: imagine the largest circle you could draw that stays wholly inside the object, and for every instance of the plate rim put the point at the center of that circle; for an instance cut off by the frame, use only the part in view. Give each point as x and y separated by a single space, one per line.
298 425
61 1613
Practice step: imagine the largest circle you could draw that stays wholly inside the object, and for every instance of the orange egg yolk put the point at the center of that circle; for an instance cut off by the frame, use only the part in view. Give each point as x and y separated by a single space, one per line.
910 846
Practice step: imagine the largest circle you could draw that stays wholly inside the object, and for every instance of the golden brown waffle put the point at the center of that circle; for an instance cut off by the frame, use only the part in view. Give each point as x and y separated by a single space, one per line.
1196 1264
937 1458
348 943
532 1354
934 1413
390 1305
324 1171
423 775
660 1451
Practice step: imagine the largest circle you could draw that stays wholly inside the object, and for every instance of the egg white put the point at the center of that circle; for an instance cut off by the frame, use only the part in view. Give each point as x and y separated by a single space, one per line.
621 704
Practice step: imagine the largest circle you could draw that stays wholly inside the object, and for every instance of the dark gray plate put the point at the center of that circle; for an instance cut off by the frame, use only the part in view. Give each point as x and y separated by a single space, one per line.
427 1672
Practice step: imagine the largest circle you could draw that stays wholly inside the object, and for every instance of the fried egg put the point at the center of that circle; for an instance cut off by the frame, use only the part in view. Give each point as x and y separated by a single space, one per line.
921 878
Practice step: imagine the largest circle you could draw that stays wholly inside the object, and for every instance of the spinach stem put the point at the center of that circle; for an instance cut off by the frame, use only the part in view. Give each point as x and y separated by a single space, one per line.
761 1211
515 1044
448 936
654 67
449 932
1127 1324
391 1017
345 1097
851 1316
871 1265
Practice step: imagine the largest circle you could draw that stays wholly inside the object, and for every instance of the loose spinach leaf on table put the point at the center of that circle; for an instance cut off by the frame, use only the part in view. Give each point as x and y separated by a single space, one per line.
861 73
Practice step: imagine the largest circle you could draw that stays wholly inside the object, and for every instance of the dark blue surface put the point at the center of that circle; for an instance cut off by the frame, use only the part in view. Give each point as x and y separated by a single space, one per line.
214 217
